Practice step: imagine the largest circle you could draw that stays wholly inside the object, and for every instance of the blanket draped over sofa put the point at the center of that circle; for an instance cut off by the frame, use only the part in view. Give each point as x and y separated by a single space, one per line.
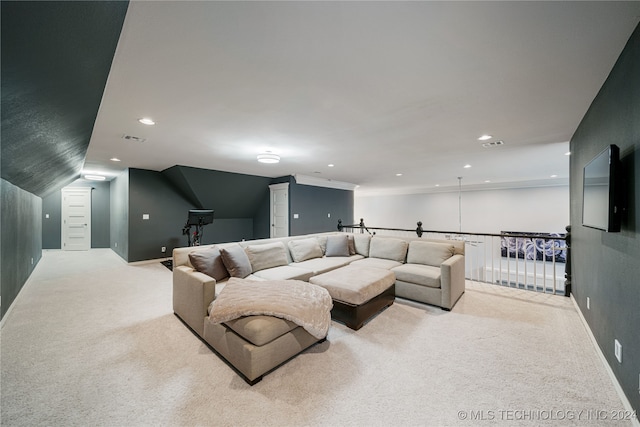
306 305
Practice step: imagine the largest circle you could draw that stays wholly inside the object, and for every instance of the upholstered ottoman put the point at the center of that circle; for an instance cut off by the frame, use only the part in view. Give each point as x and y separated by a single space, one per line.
358 293
258 325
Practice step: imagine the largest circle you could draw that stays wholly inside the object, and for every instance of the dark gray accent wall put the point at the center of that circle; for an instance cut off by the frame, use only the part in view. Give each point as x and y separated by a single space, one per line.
100 213
119 217
56 57
150 193
605 266
314 205
21 240
230 195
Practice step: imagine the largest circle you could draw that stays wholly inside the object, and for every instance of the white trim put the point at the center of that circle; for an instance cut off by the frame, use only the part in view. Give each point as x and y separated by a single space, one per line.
323 182
282 186
616 384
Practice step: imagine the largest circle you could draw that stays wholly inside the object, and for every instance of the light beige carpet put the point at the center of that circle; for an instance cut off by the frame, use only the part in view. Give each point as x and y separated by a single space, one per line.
93 341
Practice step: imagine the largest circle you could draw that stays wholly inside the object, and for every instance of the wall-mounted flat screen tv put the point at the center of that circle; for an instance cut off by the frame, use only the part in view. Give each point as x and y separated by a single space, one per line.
200 217
601 191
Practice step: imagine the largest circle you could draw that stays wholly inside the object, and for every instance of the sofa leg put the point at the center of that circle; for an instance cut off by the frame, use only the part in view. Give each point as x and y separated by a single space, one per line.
254 381
445 309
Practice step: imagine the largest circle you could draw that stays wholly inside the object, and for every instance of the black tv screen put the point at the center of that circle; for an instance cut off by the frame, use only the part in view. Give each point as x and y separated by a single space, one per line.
200 217
600 198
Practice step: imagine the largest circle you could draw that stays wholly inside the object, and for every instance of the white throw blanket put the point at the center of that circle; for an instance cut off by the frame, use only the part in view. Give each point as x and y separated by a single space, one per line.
307 305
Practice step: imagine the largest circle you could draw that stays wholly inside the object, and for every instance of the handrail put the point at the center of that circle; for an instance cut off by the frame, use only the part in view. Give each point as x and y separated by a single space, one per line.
419 231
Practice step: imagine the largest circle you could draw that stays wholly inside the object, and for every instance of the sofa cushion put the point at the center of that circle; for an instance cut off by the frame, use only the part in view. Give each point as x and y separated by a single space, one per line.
284 272
337 245
419 274
429 253
388 248
266 256
260 330
236 261
361 243
386 264
324 264
209 262
304 249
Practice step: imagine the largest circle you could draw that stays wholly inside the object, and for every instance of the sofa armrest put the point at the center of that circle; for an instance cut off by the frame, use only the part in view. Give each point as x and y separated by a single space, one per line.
192 293
452 280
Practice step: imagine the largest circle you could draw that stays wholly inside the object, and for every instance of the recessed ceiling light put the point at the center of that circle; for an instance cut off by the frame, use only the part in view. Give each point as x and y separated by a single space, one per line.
147 121
485 137
398 174
467 166
487 181
331 165
95 177
554 176
568 153
437 185
268 158
114 159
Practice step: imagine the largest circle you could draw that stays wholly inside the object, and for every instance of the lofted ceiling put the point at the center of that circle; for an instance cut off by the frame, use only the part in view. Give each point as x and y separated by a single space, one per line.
55 63
374 88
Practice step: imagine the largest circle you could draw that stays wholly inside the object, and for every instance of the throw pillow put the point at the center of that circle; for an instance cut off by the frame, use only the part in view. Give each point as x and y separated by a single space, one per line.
236 261
209 262
351 244
304 249
337 245
266 256
322 240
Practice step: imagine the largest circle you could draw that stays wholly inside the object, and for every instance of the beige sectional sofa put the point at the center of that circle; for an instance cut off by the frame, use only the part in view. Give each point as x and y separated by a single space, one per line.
429 271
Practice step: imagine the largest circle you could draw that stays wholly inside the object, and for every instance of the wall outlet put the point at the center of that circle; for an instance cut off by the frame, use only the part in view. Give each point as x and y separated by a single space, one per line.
46 216
163 249
296 216
617 350
328 215
145 216
116 244
588 303
31 261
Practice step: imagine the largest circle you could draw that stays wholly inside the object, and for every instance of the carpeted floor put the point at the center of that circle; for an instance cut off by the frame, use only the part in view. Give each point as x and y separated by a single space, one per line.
93 341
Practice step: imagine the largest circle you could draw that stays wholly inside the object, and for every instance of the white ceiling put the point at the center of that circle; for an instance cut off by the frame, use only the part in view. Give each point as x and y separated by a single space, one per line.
375 88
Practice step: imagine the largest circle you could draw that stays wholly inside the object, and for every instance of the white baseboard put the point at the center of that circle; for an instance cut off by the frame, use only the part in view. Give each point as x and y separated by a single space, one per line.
616 384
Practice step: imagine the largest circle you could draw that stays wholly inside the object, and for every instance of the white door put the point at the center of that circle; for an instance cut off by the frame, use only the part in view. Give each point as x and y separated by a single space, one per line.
76 218
279 209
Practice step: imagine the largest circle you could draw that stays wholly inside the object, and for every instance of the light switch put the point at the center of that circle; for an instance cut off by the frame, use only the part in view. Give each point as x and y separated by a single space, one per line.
296 216
145 216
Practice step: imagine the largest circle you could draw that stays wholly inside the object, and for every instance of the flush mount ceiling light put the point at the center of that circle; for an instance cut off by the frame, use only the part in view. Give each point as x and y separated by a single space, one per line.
114 159
268 158
485 137
467 166
554 176
331 165
147 121
95 177
398 174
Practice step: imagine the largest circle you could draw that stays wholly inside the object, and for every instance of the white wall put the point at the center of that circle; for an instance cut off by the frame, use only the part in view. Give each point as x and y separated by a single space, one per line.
542 209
